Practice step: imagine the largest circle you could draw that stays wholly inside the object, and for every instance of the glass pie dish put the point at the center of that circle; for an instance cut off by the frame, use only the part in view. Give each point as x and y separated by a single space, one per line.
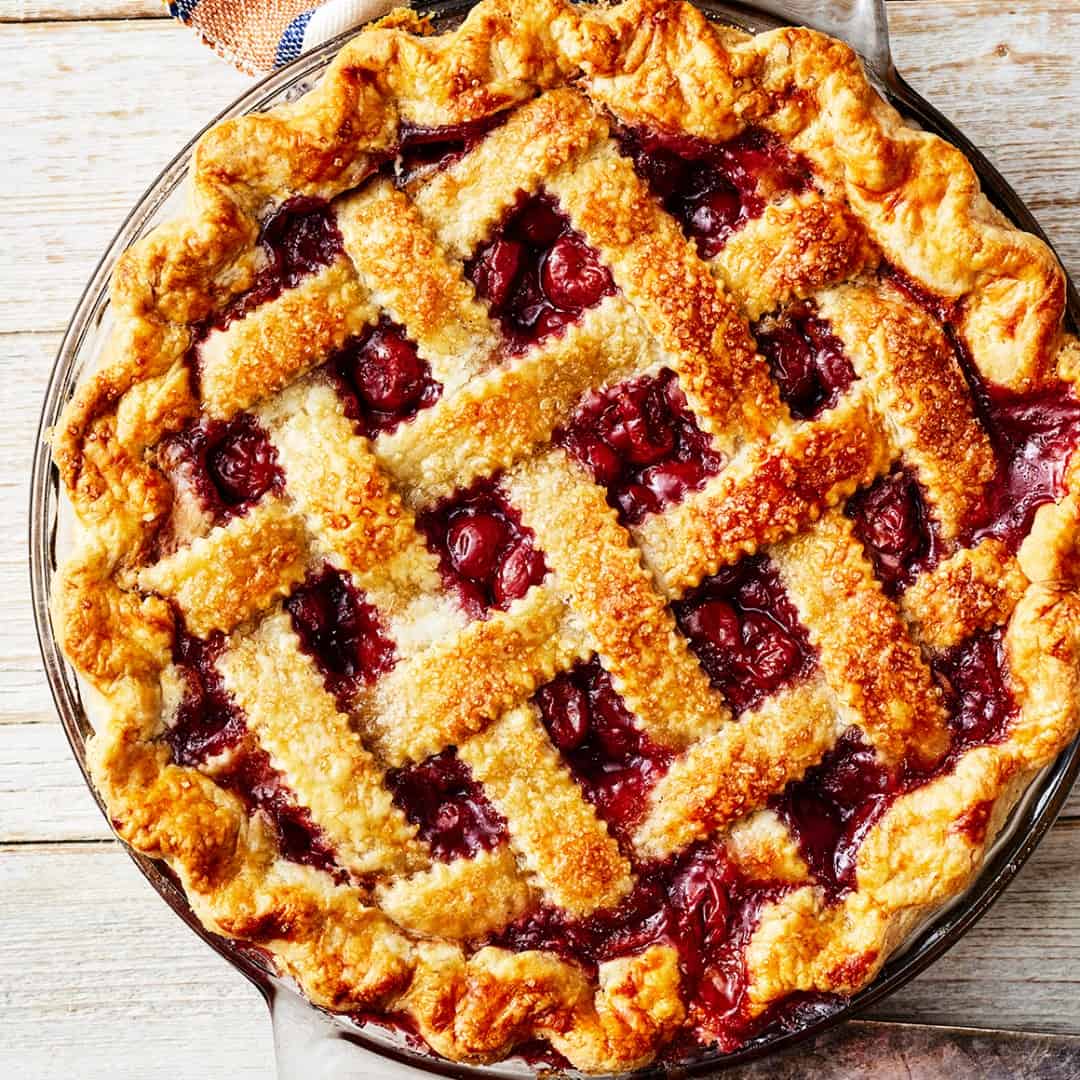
304 1039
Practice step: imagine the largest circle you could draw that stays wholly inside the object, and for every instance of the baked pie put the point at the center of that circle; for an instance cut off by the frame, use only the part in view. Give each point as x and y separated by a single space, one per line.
578 531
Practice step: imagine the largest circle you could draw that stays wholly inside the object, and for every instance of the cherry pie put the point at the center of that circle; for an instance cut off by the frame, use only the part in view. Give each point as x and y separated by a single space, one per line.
579 531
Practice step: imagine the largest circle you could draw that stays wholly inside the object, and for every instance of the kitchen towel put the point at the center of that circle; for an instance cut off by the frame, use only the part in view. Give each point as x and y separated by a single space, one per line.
260 35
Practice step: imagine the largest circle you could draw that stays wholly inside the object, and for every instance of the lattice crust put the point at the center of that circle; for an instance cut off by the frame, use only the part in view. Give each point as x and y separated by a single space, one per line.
393 923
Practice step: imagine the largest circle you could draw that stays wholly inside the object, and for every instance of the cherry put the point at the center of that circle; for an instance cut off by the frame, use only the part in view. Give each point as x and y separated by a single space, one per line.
388 371
253 778
715 622
424 151
486 555
382 379
207 720
770 652
745 632
300 237
231 464
807 361
475 542
715 216
834 805
450 810
641 442
613 760
540 223
497 269
341 631
714 188
974 678
243 464
519 568
571 274
565 707
537 274
890 519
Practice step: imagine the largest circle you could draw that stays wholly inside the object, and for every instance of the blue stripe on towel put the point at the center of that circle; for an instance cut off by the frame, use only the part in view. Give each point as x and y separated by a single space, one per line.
182 9
291 41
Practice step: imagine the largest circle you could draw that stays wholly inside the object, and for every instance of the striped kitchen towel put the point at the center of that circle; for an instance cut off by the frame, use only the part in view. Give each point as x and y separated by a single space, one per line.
259 35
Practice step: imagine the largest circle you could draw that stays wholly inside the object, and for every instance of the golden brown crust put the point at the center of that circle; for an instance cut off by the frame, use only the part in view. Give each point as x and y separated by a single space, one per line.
882 193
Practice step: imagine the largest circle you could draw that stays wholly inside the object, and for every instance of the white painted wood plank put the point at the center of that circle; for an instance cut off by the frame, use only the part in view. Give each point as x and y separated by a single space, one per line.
102 108
63 10
100 981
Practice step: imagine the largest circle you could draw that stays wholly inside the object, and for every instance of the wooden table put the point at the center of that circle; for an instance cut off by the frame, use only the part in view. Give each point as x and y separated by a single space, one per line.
97 978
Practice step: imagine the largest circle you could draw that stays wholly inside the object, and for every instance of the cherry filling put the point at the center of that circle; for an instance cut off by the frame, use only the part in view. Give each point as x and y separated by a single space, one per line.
382 379
231 464
615 763
300 237
713 189
207 719
486 555
700 904
447 806
640 440
974 678
538 274
835 804
340 631
891 519
207 723
807 361
832 807
250 775
745 632
1033 434
425 151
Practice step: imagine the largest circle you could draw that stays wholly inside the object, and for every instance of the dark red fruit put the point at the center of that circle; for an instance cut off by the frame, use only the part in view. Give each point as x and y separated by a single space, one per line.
486 555
300 237
613 760
341 631
640 440
496 269
231 465
974 678
537 274
262 789
1033 434
807 361
475 542
389 374
697 903
833 806
243 466
890 519
521 566
448 807
382 379
207 721
571 275
425 151
745 632
713 189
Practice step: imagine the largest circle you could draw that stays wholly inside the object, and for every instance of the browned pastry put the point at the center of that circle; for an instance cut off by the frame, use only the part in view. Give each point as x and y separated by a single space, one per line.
578 530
